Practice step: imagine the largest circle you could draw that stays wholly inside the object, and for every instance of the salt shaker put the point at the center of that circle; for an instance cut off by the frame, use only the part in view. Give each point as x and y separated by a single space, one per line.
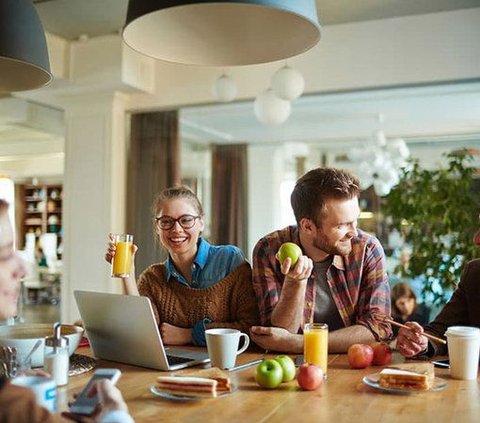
56 360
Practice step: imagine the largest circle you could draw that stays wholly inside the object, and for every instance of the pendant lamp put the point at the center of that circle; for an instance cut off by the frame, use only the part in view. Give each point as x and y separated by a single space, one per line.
221 33
23 48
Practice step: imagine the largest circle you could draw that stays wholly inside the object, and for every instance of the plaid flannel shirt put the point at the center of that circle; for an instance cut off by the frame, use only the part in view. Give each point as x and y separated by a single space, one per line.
358 281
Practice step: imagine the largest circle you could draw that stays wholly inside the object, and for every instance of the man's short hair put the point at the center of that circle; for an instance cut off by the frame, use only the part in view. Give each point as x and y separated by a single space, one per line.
317 186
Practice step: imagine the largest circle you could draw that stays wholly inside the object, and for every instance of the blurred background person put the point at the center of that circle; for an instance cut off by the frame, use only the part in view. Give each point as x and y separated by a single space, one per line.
405 307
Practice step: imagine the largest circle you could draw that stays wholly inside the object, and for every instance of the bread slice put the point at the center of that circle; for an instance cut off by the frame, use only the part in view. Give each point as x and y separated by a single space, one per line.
224 383
187 386
415 376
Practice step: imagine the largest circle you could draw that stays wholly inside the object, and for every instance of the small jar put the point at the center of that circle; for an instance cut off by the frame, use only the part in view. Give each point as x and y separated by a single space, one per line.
56 359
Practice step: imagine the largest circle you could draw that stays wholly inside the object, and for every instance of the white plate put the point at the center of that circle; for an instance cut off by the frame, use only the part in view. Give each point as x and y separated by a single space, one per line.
373 381
168 395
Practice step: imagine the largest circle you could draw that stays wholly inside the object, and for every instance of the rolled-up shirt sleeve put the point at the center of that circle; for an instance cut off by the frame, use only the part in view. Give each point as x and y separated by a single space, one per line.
266 280
374 295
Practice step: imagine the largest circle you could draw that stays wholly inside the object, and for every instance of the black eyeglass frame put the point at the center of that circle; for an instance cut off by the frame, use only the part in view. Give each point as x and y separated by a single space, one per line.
174 221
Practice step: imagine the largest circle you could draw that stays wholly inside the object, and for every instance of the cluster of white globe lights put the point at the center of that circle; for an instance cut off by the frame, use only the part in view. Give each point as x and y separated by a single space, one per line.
272 106
376 162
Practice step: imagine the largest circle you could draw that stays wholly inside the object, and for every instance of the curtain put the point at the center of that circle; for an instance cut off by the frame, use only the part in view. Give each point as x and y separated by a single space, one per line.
153 164
230 195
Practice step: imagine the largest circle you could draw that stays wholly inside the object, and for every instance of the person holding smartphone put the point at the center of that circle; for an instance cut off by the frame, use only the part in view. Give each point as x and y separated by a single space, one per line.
462 309
18 404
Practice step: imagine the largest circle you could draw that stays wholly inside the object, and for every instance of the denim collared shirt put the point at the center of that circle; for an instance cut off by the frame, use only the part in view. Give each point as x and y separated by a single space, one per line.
212 263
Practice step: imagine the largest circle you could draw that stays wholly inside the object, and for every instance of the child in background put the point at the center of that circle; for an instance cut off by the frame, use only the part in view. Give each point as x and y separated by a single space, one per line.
405 307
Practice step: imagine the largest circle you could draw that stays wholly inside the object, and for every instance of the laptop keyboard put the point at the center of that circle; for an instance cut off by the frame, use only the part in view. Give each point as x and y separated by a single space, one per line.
172 360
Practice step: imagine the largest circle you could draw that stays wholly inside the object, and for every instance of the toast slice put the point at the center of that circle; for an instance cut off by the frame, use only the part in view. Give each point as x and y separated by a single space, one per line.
187 386
224 383
415 376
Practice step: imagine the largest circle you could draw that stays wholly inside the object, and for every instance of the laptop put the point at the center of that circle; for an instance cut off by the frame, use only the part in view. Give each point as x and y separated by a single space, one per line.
123 328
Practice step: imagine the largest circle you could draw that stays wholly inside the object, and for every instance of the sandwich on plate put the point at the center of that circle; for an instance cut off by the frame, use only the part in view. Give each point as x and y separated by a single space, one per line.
187 386
414 376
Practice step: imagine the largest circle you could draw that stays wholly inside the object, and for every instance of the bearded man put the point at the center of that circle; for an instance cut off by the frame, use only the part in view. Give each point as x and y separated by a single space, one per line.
340 279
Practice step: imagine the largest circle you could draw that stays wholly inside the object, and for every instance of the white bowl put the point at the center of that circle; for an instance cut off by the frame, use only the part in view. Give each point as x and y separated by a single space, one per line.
24 336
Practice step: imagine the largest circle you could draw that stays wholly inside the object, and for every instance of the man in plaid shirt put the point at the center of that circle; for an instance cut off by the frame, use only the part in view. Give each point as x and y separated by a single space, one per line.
340 279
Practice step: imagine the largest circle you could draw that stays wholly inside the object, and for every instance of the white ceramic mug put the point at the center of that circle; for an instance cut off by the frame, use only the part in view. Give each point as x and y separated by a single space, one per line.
44 388
222 345
463 351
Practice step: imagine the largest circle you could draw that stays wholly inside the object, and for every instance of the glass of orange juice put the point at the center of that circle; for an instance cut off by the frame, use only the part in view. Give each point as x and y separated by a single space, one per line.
122 260
315 345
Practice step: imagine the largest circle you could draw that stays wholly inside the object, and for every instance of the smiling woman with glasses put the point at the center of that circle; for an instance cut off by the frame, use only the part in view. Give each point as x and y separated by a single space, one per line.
200 286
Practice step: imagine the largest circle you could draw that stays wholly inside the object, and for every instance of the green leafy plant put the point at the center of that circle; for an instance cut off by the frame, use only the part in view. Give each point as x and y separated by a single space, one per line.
437 211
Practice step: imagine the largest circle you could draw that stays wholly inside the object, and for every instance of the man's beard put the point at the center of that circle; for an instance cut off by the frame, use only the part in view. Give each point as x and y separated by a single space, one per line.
341 250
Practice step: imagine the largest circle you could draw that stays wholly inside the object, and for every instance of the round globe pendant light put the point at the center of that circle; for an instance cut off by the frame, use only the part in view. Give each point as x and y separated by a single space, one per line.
23 48
225 89
221 33
271 110
288 83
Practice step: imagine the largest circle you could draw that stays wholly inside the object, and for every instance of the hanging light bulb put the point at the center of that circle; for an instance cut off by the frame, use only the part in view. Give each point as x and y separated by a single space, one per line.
271 110
288 83
225 89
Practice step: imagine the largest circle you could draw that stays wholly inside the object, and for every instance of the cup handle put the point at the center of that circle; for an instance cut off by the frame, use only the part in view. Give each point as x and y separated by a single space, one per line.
246 344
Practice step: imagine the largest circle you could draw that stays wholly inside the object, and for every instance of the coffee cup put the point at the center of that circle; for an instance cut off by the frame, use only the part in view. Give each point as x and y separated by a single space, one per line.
463 351
44 388
222 345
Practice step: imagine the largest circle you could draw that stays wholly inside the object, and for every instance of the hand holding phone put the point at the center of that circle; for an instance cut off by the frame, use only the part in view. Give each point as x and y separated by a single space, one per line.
87 401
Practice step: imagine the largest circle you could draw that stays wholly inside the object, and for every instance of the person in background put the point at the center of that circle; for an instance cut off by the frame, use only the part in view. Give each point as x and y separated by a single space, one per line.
18 404
462 309
405 306
199 286
340 280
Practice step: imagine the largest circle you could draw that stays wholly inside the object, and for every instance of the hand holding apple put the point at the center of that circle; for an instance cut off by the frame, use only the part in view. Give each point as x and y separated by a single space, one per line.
290 250
382 354
360 356
269 374
310 377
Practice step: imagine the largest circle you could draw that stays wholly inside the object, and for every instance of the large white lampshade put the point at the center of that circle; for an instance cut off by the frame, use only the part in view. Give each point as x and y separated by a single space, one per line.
288 83
221 33
24 61
271 110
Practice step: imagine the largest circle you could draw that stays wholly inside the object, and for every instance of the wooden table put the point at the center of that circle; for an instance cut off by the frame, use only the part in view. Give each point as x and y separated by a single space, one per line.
342 398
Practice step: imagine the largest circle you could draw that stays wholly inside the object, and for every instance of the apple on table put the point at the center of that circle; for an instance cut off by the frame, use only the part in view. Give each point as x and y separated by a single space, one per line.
360 356
269 374
288 367
382 354
310 377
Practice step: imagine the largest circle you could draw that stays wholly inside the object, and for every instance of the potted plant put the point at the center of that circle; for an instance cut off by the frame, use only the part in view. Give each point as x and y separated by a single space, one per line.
437 212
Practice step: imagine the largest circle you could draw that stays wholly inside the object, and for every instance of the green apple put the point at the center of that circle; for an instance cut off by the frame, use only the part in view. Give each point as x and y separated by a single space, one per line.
289 249
269 374
288 367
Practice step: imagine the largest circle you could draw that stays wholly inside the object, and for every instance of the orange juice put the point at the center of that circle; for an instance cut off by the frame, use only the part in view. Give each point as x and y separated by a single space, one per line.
122 261
315 345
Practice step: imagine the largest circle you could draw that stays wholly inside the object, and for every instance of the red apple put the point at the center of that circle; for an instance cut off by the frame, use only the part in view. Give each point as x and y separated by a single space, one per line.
309 377
360 356
382 354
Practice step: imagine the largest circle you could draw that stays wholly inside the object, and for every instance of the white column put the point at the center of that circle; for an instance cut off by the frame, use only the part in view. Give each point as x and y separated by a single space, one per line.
265 170
94 193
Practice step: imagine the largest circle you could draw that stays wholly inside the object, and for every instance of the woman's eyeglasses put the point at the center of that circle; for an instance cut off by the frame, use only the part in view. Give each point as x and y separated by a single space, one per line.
186 221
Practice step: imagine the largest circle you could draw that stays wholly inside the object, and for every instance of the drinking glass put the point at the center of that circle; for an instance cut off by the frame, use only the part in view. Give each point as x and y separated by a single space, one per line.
315 345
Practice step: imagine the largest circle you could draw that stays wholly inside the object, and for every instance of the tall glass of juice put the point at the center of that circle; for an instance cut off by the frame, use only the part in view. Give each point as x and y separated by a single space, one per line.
122 260
315 345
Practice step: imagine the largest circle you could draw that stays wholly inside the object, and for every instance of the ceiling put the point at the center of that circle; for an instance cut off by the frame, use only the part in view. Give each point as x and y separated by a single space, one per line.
71 19
412 113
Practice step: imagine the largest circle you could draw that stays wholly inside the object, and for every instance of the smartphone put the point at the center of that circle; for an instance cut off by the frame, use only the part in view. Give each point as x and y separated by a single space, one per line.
299 360
85 404
442 363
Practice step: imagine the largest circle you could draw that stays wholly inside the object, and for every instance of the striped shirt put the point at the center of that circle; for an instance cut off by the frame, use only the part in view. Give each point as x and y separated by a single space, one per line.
358 281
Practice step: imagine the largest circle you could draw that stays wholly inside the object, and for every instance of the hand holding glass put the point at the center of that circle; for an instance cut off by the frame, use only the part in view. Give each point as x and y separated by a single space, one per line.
122 260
